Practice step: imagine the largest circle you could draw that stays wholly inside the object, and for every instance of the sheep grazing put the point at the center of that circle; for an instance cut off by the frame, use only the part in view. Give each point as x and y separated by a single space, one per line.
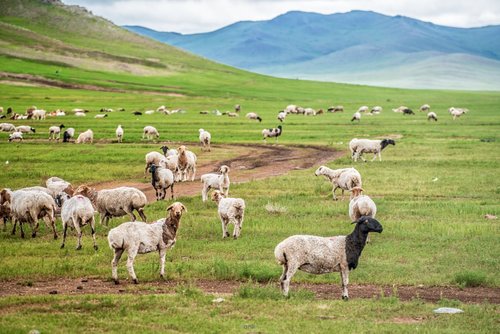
16 135
216 181
363 109
7 127
274 132
55 132
68 134
231 211
115 202
162 179
80 114
400 109
79 110
77 212
356 117
150 132
233 114
137 113
375 146
425 107
322 255
344 178
205 138
457 112
140 238
432 116
119 134
281 116
252 115
408 111
85 137
25 129
291 109
101 115
309 112
336 109
39 114
57 185
376 110
186 164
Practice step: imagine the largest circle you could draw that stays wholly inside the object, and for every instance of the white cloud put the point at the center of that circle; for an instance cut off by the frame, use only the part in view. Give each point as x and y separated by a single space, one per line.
190 16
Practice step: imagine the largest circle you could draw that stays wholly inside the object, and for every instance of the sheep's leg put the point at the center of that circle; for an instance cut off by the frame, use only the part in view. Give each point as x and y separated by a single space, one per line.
92 229
361 156
342 194
285 283
131 213
14 222
374 156
132 253
65 228
344 274
334 189
163 253
204 192
22 231
224 222
379 156
78 229
141 213
193 175
172 190
53 224
114 265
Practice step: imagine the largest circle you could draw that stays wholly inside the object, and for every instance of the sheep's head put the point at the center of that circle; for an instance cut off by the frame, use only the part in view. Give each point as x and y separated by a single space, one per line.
356 191
85 191
5 195
386 142
176 209
201 130
368 224
61 198
320 171
152 168
61 126
217 196
164 149
224 169
181 149
33 130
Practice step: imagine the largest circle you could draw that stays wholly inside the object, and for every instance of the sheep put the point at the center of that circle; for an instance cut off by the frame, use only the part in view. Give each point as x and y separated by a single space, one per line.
408 111
68 134
137 113
343 178
432 115
149 112
360 146
336 109
231 210
281 116
400 109
39 114
361 205
7 127
232 114
80 114
115 202
309 112
162 179
156 158
273 132
205 138
84 137
291 109
237 108
321 255
101 115
150 132
16 135
216 181
30 206
363 109
25 129
77 212
172 162
356 116
79 110
376 110
140 238
57 185
186 164
425 107
55 132
119 134
168 152
5 213
457 112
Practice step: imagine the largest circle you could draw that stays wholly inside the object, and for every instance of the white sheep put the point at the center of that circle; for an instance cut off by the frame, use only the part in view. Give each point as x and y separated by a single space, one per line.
343 178
149 112
231 211
363 109
80 114
322 255
233 114
7 127
25 129
172 162
68 134
375 146
162 179
150 132
432 115
291 109
336 109
85 137
361 205
101 115
376 110
168 151
309 112
57 185
457 112
425 107
356 117
273 132
400 109
220 182
205 138
255 116
39 114
77 212
55 132
282 116
186 164
141 238
115 202
16 135
119 134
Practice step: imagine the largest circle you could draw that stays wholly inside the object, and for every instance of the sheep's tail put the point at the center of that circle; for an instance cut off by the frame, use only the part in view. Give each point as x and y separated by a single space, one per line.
355 181
280 255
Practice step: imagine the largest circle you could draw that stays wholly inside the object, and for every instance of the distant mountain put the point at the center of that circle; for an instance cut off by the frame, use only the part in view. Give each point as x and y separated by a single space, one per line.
361 43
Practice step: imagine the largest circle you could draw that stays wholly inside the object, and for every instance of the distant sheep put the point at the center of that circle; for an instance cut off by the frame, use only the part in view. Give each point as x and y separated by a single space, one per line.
150 132
119 134
25 129
281 116
80 114
309 112
55 132
101 115
7 127
408 111
39 114
356 117
457 112
85 137
273 132
68 134
205 138
343 178
360 146
432 116
400 109
252 115
336 109
363 109
57 185
231 211
425 107
376 110
16 135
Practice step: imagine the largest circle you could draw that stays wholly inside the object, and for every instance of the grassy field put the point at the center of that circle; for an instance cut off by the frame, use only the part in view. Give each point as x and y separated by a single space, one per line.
432 191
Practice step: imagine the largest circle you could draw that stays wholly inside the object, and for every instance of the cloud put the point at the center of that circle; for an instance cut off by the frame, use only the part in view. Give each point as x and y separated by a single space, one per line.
191 16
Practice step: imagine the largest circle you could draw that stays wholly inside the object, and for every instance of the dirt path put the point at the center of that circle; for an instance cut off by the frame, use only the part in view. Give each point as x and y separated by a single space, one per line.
79 286
254 162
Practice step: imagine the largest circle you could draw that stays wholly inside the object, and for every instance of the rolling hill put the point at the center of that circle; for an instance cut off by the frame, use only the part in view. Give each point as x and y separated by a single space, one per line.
355 47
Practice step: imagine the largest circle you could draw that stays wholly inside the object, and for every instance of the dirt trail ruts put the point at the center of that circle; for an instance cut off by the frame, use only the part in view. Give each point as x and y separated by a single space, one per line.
258 162
83 286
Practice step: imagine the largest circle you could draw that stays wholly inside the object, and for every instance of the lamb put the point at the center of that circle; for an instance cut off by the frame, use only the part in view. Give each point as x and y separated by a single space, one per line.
150 132
363 109
68 134
77 212
16 135
231 210
356 116
140 238
85 137
119 134
432 115
361 205
343 178
321 255
7 127
115 202
457 112
252 115
25 129
205 138
30 206
216 181
282 116
186 164
162 179
101 115
360 146
274 132
39 114
55 132
336 109
425 107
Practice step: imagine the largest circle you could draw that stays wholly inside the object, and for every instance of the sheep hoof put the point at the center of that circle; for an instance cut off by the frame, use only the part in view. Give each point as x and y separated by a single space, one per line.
345 298
116 281
135 281
78 247
163 277
33 235
62 246
55 236
95 247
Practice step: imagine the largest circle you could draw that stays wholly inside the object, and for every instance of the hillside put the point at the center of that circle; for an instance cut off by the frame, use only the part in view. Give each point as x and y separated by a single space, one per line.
330 47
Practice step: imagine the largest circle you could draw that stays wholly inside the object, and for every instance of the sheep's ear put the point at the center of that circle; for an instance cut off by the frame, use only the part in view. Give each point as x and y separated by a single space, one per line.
184 208
360 220
170 207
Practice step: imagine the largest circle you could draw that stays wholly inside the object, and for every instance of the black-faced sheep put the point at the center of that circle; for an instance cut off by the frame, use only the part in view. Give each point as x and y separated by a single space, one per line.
273 132
360 146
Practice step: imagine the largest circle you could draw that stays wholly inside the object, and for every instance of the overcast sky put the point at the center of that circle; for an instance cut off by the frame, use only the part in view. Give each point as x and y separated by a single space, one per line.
191 16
